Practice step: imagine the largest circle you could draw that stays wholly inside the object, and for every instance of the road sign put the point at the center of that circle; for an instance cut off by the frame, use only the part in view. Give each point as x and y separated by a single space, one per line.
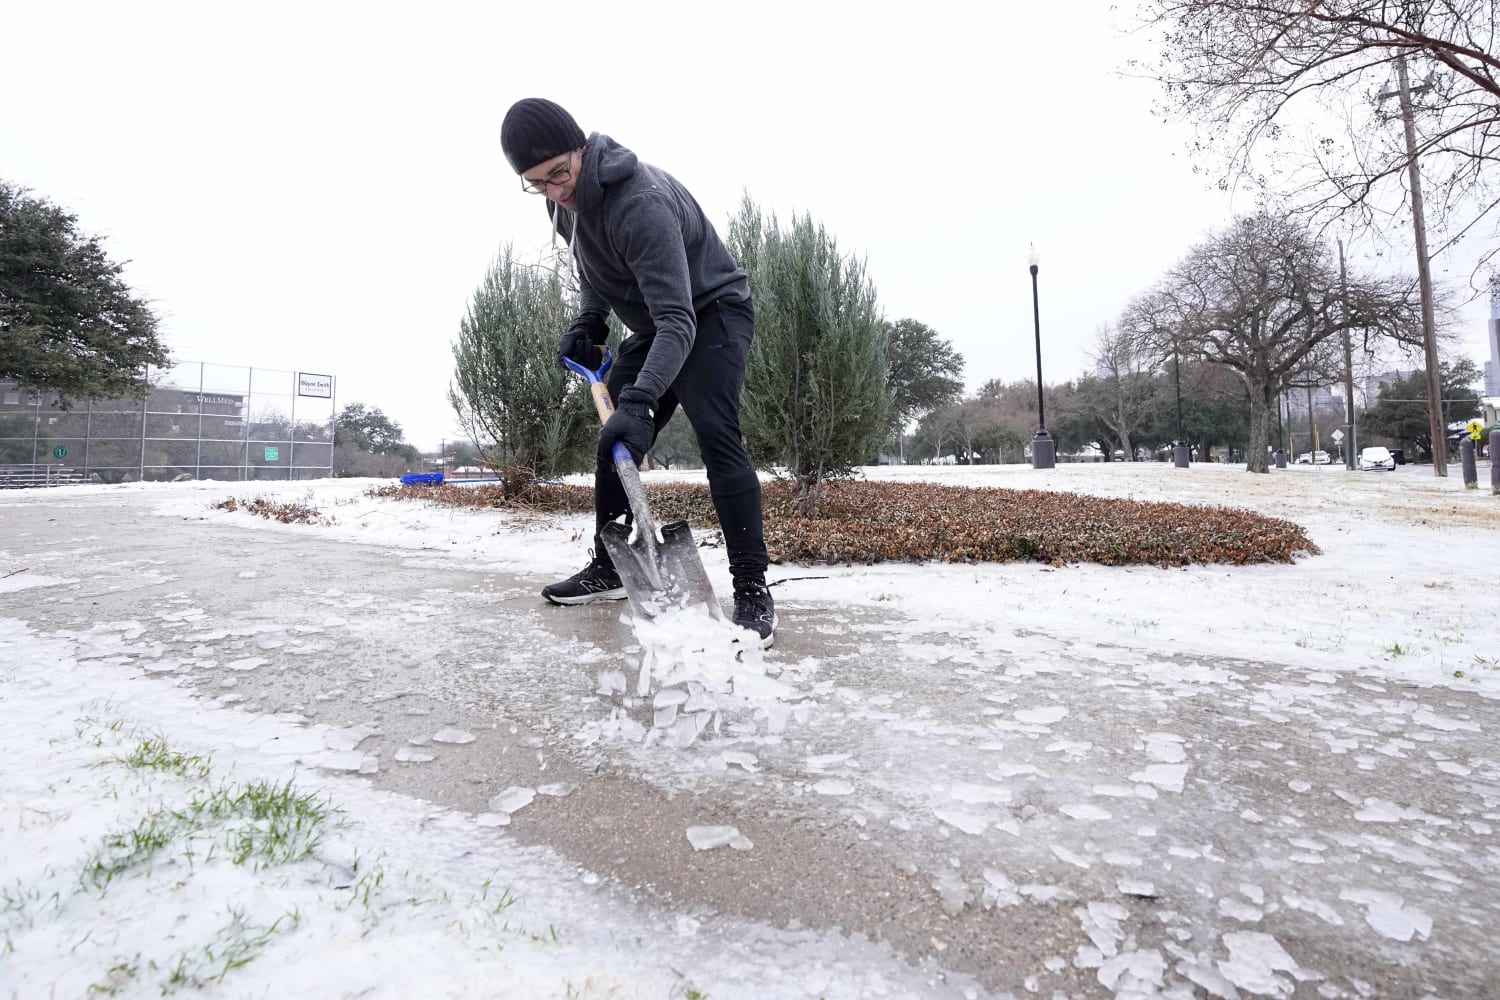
273 454
1337 436
1476 430
59 452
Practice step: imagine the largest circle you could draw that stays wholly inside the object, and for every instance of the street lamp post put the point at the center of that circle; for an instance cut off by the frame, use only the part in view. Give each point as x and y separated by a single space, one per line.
1043 448
1181 453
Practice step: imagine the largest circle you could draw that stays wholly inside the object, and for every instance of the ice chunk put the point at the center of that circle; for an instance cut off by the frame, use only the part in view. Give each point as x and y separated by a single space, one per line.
1044 716
513 799
1166 748
833 786
1390 917
493 819
978 794
745 760
966 822
1084 811
411 755
246 663
1167 777
451 735
706 838
1254 959
556 789
348 739
344 760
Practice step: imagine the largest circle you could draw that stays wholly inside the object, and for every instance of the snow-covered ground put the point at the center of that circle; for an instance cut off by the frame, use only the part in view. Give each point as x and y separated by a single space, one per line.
964 780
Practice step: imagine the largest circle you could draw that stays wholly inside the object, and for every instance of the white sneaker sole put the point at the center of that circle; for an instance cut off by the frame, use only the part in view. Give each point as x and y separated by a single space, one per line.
618 594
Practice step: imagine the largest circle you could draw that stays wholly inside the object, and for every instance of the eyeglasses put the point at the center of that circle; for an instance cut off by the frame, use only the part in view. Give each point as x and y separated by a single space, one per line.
559 174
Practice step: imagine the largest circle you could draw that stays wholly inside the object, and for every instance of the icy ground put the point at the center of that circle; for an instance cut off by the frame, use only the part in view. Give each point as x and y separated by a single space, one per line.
946 781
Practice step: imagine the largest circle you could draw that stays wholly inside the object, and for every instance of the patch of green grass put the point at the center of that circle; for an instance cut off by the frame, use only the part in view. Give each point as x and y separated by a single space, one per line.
234 946
1395 650
154 754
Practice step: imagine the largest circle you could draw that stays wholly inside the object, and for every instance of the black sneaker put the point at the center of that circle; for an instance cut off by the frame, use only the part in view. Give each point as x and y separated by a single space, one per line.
754 610
597 581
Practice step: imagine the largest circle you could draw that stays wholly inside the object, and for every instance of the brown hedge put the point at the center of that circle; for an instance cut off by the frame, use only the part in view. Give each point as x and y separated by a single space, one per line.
871 522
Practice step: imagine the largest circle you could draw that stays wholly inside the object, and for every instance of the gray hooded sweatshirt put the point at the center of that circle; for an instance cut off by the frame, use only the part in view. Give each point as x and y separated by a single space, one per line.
644 248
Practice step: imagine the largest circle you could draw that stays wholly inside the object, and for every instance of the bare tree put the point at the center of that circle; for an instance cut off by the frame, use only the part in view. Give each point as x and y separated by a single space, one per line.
1293 93
1126 393
1263 299
1287 91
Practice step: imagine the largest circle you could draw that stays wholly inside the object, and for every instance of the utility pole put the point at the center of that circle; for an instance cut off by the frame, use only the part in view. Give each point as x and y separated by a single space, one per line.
1435 424
1349 459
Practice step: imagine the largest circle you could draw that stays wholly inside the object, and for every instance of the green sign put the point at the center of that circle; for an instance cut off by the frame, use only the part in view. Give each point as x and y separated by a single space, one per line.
59 452
272 454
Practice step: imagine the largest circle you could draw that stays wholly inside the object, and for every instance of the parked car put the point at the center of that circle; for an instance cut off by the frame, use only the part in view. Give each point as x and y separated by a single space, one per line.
1313 458
1399 456
1376 457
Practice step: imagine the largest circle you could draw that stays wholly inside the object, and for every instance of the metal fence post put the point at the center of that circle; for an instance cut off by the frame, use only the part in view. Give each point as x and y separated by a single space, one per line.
1495 462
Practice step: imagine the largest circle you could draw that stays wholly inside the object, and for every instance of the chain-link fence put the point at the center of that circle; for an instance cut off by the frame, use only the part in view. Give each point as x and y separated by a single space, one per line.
199 421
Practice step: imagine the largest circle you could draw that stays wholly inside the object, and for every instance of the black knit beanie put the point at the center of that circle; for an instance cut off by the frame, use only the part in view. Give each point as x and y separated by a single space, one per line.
535 131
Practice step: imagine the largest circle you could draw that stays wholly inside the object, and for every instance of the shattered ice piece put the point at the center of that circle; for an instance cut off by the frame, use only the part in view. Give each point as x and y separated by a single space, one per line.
1236 910
248 574
1101 922
1136 887
1316 907
246 663
1389 916
669 696
1165 748
664 716
1063 854
965 822
686 926
411 755
999 890
348 739
557 789
1073 748
744 760
1208 978
818 763
370 765
1043 716
687 728
611 682
1134 973
1423 717
1114 791
167 666
451 735
1005 769
706 838
1299 786
1254 960
492 819
952 891
1167 777
1084 811
978 794
513 799
833 786
342 760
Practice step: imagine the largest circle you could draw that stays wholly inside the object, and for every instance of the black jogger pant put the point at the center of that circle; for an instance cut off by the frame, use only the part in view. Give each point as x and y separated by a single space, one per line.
708 390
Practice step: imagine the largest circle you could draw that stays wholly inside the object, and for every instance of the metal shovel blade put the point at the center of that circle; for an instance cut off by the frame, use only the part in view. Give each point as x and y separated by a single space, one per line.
660 577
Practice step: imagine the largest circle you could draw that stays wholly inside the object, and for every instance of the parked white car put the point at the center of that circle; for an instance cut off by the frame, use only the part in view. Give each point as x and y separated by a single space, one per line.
1376 457
1313 458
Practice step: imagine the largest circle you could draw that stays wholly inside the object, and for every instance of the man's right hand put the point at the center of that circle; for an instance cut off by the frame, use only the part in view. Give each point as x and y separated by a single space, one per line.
581 348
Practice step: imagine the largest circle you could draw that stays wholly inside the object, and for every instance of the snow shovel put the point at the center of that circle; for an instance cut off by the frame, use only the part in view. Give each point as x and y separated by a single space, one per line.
660 567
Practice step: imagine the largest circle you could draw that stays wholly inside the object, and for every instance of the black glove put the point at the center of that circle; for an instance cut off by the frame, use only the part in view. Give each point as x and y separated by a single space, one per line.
631 424
581 346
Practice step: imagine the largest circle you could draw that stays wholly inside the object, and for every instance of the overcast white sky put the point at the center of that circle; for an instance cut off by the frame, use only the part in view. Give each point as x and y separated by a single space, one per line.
320 187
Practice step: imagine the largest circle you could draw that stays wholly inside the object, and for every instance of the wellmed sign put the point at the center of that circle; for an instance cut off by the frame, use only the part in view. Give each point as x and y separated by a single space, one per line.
320 386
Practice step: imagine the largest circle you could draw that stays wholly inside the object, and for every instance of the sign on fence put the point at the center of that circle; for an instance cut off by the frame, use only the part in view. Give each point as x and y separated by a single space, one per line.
320 386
